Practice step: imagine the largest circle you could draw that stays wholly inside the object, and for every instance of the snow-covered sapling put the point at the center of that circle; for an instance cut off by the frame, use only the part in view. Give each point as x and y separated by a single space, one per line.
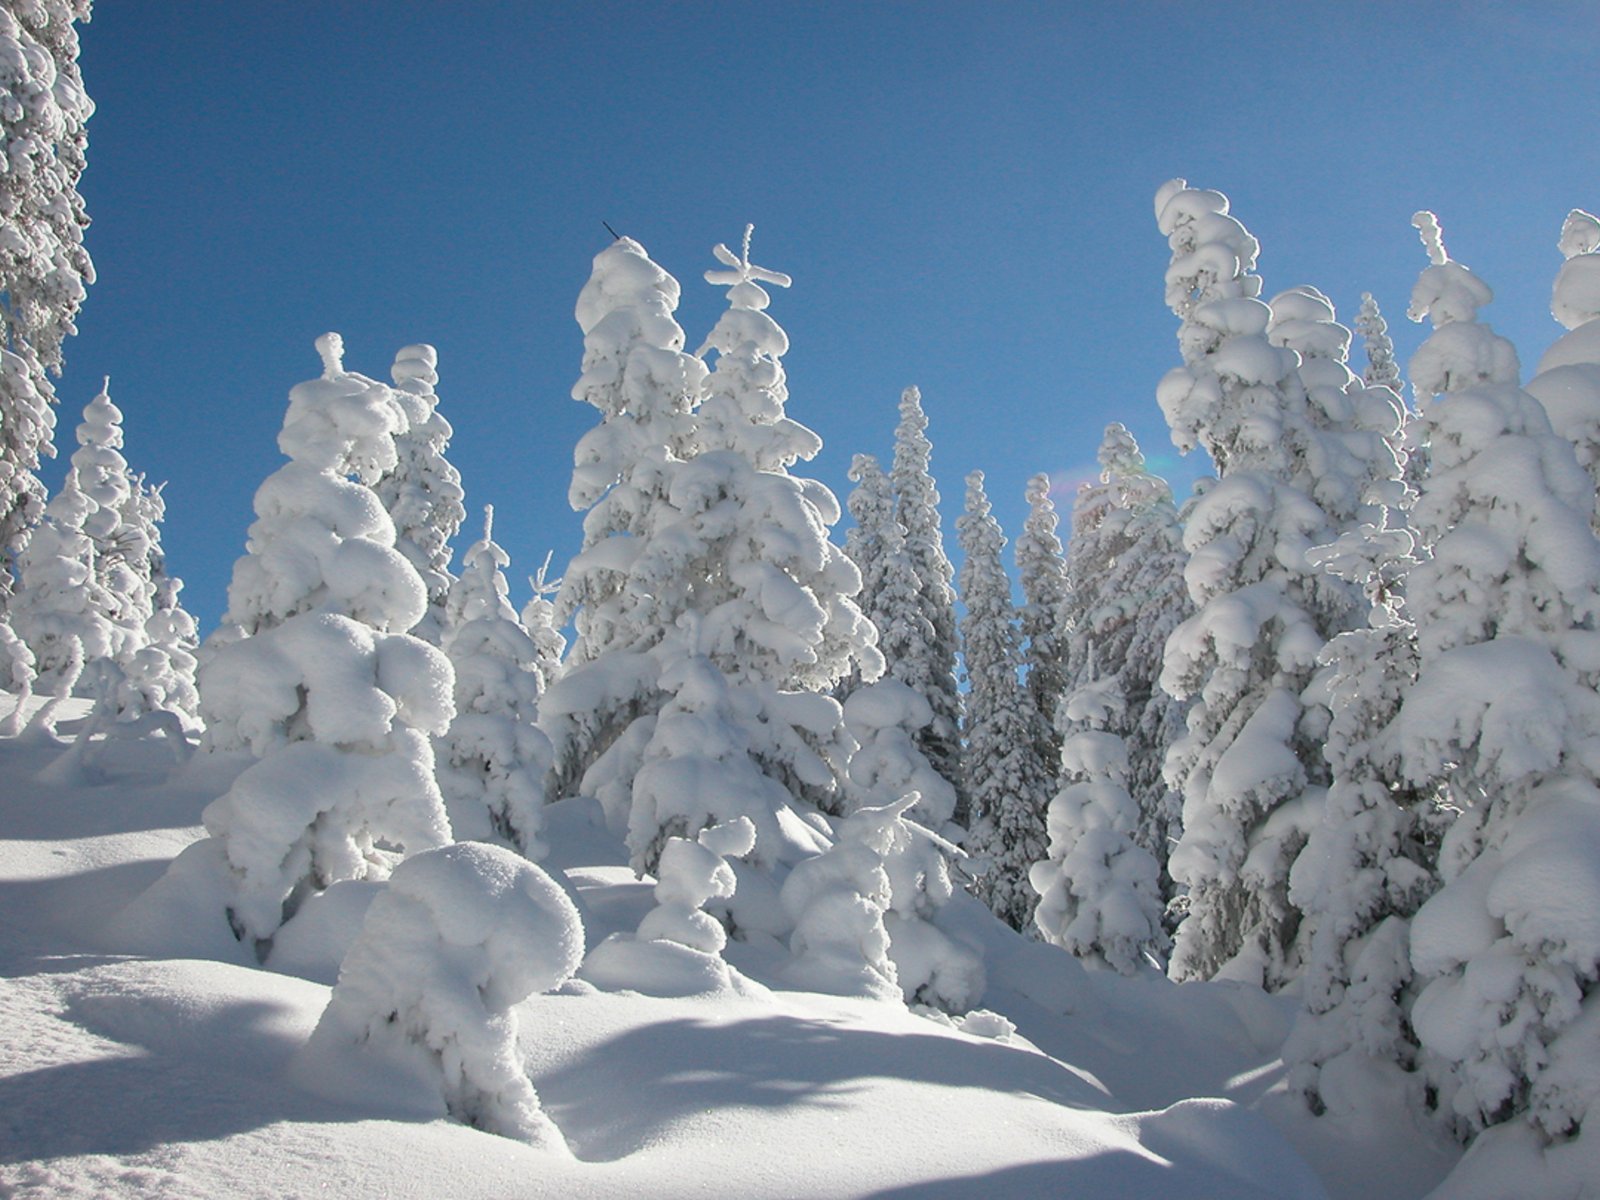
691 873
459 936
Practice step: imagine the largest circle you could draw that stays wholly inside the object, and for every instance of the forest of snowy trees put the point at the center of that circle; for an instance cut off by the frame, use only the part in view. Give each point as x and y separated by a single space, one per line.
1328 726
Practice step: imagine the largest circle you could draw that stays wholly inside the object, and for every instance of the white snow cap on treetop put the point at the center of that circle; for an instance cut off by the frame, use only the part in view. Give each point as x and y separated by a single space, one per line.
331 347
1575 298
624 277
1446 291
419 362
740 279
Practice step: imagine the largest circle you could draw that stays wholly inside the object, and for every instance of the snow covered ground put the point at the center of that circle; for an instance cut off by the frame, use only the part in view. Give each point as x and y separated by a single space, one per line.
145 1054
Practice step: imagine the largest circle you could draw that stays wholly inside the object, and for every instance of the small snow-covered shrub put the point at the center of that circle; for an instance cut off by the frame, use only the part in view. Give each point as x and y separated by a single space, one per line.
459 936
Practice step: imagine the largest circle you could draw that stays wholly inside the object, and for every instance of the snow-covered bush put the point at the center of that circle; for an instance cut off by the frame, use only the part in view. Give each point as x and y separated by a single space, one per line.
837 901
1008 785
459 936
932 967
318 679
493 761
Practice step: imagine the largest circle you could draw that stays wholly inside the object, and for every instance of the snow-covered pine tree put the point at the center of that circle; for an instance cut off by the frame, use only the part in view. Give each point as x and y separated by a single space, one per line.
636 374
1369 865
161 676
539 619
1125 595
60 607
930 667
1567 381
871 507
44 268
1099 892
422 491
320 681
1007 784
1250 767
1382 369
728 588
1504 712
1042 575
122 544
493 761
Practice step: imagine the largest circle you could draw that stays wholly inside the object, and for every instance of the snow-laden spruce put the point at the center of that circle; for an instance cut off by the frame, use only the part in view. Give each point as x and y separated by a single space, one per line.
60 607
121 553
1125 595
1250 766
1504 713
425 1003
1099 891
1008 785
883 720
317 677
1382 370
1567 381
493 761
1042 577
868 543
1369 865
928 666
708 593
539 619
44 267
422 491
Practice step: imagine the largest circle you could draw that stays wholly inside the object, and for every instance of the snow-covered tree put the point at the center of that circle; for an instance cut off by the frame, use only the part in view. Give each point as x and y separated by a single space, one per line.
1504 713
868 544
494 760
1007 784
930 666
118 528
725 610
459 936
319 679
1250 765
1382 369
636 374
1125 595
837 900
539 619
1369 865
1567 381
1042 575
44 268
422 491
161 675
1099 892
883 719
60 608
932 966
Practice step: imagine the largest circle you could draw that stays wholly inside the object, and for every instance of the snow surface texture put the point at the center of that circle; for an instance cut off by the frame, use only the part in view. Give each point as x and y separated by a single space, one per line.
171 1073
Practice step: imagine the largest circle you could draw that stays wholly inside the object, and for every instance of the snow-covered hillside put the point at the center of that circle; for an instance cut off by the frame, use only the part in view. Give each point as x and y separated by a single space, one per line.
147 1055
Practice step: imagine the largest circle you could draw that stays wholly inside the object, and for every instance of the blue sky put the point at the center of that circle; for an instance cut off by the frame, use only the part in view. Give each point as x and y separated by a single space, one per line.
962 193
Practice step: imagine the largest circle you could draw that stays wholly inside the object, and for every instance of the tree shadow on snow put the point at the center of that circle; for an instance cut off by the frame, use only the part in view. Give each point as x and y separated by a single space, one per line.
620 1096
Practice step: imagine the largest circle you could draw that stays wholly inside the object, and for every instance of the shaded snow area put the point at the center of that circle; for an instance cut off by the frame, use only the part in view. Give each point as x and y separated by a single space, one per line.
147 1053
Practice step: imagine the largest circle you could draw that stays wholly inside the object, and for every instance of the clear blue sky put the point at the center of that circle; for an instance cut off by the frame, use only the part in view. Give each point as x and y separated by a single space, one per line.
962 193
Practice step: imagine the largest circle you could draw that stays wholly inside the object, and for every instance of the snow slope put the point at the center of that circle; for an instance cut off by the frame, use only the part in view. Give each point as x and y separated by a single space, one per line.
166 1071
